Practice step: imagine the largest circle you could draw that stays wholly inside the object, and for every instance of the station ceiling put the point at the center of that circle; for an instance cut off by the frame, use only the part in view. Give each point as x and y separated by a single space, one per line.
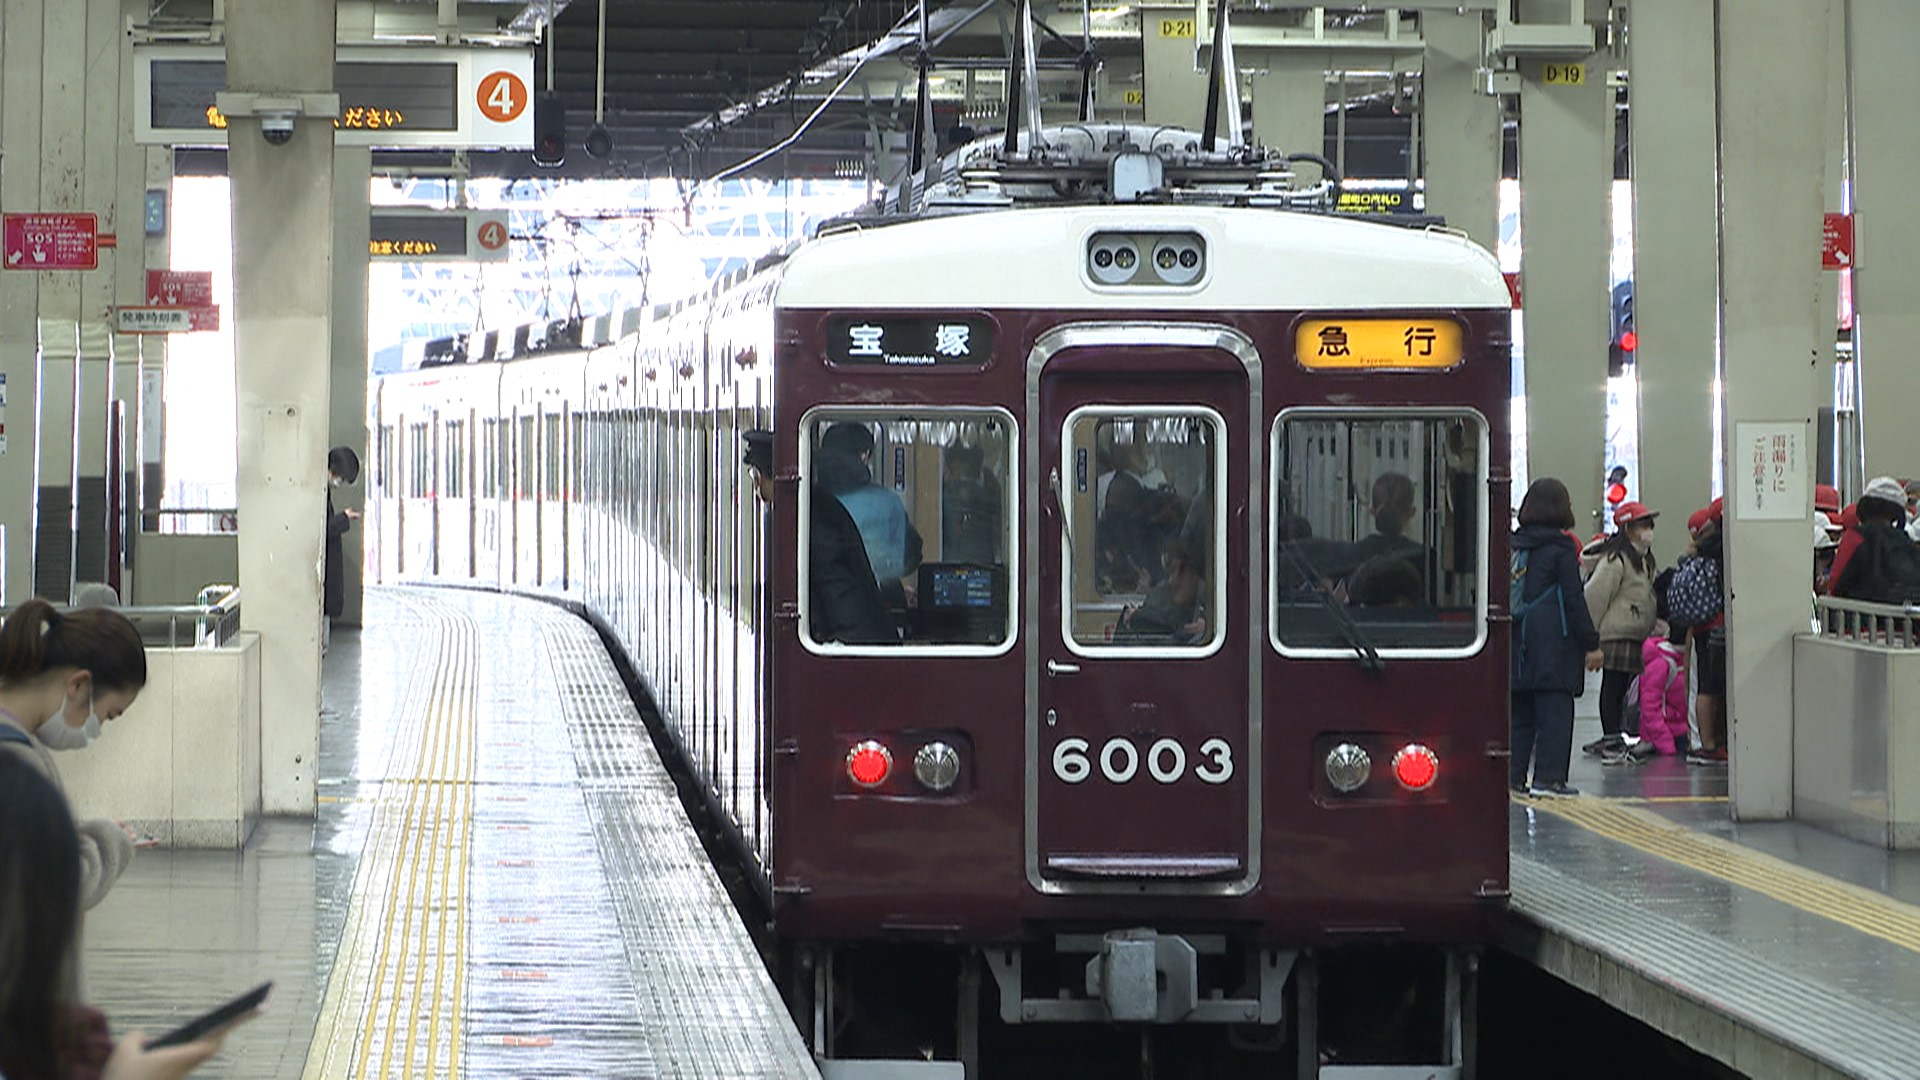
694 86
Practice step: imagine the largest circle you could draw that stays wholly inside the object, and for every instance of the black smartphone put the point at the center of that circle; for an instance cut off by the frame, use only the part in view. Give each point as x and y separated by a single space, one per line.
201 1026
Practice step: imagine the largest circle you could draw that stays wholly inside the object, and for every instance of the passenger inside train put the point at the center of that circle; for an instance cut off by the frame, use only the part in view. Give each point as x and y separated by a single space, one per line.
1376 519
929 494
1143 538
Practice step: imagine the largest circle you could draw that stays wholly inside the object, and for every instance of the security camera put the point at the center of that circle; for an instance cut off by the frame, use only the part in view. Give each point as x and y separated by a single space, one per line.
277 127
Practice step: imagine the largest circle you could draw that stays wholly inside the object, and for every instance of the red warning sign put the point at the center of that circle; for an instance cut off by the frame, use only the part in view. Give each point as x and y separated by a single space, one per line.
1836 242
180 288
49 242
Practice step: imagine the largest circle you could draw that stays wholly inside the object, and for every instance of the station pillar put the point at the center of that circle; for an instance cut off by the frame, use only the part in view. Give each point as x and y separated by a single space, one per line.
283 297
1772 71
1176 91
1676 299
1566 169
347 415
1462 128
1885 83
1290 102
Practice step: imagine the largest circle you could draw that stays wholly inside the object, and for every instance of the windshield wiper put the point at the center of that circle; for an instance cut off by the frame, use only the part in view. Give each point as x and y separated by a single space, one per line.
1356 638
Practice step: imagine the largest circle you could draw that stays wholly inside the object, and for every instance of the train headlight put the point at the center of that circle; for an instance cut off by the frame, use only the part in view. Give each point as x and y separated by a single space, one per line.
1416 767
869 764
1177 259
936 765
1348 767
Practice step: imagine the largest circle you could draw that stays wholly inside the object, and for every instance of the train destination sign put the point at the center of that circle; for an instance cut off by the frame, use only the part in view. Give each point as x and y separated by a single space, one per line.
1404 344
437 235
910 341
390 96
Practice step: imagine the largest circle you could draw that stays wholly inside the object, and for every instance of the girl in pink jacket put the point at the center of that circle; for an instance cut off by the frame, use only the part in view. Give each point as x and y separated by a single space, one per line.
1663 690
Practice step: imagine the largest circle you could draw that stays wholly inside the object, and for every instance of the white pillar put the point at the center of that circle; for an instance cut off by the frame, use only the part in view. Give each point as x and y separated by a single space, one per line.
21 56
347 415
1176 91
1676 236
1566 170
1462 136
283 286
1772 93
1290 102
1886 278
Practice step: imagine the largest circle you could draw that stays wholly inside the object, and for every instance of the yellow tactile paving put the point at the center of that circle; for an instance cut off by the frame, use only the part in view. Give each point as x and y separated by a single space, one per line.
394 1004
1862 909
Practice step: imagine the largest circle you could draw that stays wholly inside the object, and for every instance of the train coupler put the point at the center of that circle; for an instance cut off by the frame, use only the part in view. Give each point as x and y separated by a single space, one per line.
1143 976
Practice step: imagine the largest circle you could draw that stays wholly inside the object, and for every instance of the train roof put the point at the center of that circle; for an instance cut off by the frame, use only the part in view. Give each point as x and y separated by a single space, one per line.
1258 259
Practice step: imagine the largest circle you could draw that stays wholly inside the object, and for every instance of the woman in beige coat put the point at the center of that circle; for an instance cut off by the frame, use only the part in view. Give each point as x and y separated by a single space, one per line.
1620 599
61 677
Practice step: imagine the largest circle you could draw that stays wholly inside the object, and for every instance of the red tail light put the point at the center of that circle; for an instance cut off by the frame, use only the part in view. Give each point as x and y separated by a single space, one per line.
1416 767
869 764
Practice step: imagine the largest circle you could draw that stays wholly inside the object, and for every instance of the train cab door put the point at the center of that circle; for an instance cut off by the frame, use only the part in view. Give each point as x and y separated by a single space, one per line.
1144 747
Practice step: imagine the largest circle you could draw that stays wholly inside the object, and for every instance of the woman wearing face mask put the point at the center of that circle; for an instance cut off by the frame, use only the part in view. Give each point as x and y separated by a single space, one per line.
62 676
1620 599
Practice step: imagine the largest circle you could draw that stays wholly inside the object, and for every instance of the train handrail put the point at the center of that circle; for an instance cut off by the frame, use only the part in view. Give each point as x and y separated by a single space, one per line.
1895 626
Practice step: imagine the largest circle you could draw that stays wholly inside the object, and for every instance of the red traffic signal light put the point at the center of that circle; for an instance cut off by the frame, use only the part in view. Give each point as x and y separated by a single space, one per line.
549 131
1629 341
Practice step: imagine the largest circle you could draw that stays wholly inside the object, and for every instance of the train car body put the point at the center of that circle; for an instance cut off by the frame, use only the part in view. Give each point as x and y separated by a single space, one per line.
1199 658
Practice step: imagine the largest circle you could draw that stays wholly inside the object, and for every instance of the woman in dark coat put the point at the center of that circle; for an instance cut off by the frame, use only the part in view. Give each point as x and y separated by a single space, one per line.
1553 641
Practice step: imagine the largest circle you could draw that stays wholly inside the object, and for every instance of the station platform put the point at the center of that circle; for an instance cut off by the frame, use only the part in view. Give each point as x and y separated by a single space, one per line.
500 881
1778 949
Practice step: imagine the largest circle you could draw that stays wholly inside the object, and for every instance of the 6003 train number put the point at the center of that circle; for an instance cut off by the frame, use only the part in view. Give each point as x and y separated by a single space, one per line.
1120 761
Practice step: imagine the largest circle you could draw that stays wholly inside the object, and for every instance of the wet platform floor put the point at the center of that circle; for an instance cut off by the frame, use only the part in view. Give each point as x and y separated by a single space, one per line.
500 881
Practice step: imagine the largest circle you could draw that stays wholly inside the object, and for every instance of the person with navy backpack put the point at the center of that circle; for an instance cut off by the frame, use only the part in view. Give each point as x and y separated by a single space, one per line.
1554 641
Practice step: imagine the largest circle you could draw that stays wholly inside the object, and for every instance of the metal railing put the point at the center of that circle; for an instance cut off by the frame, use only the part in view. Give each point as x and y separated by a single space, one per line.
208 623
200 521
1892 626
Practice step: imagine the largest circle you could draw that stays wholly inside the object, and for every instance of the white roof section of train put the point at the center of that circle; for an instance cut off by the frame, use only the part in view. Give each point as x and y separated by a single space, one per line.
1035 259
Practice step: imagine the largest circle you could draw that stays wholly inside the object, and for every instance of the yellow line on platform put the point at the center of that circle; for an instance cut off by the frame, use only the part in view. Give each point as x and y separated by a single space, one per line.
405 937
1865 910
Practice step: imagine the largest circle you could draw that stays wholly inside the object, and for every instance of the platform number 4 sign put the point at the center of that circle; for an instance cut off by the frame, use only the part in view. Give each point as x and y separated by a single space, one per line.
1564 74
502 97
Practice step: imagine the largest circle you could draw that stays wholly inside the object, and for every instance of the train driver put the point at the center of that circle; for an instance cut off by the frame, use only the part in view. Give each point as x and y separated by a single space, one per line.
843 599
893 545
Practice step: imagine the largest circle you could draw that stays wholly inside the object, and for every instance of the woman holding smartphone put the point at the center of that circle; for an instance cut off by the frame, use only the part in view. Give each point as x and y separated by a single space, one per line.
44 1034
62 676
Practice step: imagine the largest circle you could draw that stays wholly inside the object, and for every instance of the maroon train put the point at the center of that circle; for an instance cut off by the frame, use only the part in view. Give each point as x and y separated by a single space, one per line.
1190 509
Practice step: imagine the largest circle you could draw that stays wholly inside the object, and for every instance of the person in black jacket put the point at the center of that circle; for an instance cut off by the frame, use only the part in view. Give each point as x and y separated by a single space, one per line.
1553 639
843 598
343 467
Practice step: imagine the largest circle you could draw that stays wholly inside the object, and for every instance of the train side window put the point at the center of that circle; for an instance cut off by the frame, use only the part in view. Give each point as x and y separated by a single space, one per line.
1144 535
930 493
418 462
456 482
1379 528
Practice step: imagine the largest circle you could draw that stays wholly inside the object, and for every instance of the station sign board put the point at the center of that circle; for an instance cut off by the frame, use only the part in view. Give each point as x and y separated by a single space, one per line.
191 290
152 320
1836 242
390 96
408 235
49 241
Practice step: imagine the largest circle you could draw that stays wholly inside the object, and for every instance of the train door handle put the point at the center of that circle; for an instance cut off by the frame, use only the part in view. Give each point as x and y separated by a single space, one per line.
1060 505
1055 667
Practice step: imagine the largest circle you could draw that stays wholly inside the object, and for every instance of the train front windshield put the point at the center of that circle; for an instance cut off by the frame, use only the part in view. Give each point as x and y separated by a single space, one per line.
931 497
1381 515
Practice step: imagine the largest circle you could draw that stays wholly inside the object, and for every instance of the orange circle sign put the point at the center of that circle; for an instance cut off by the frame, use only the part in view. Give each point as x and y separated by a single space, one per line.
502 97
493 235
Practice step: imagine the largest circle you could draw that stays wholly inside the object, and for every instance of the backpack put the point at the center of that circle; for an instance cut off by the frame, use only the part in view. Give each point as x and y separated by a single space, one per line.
1890 567
1693 594
1519 608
